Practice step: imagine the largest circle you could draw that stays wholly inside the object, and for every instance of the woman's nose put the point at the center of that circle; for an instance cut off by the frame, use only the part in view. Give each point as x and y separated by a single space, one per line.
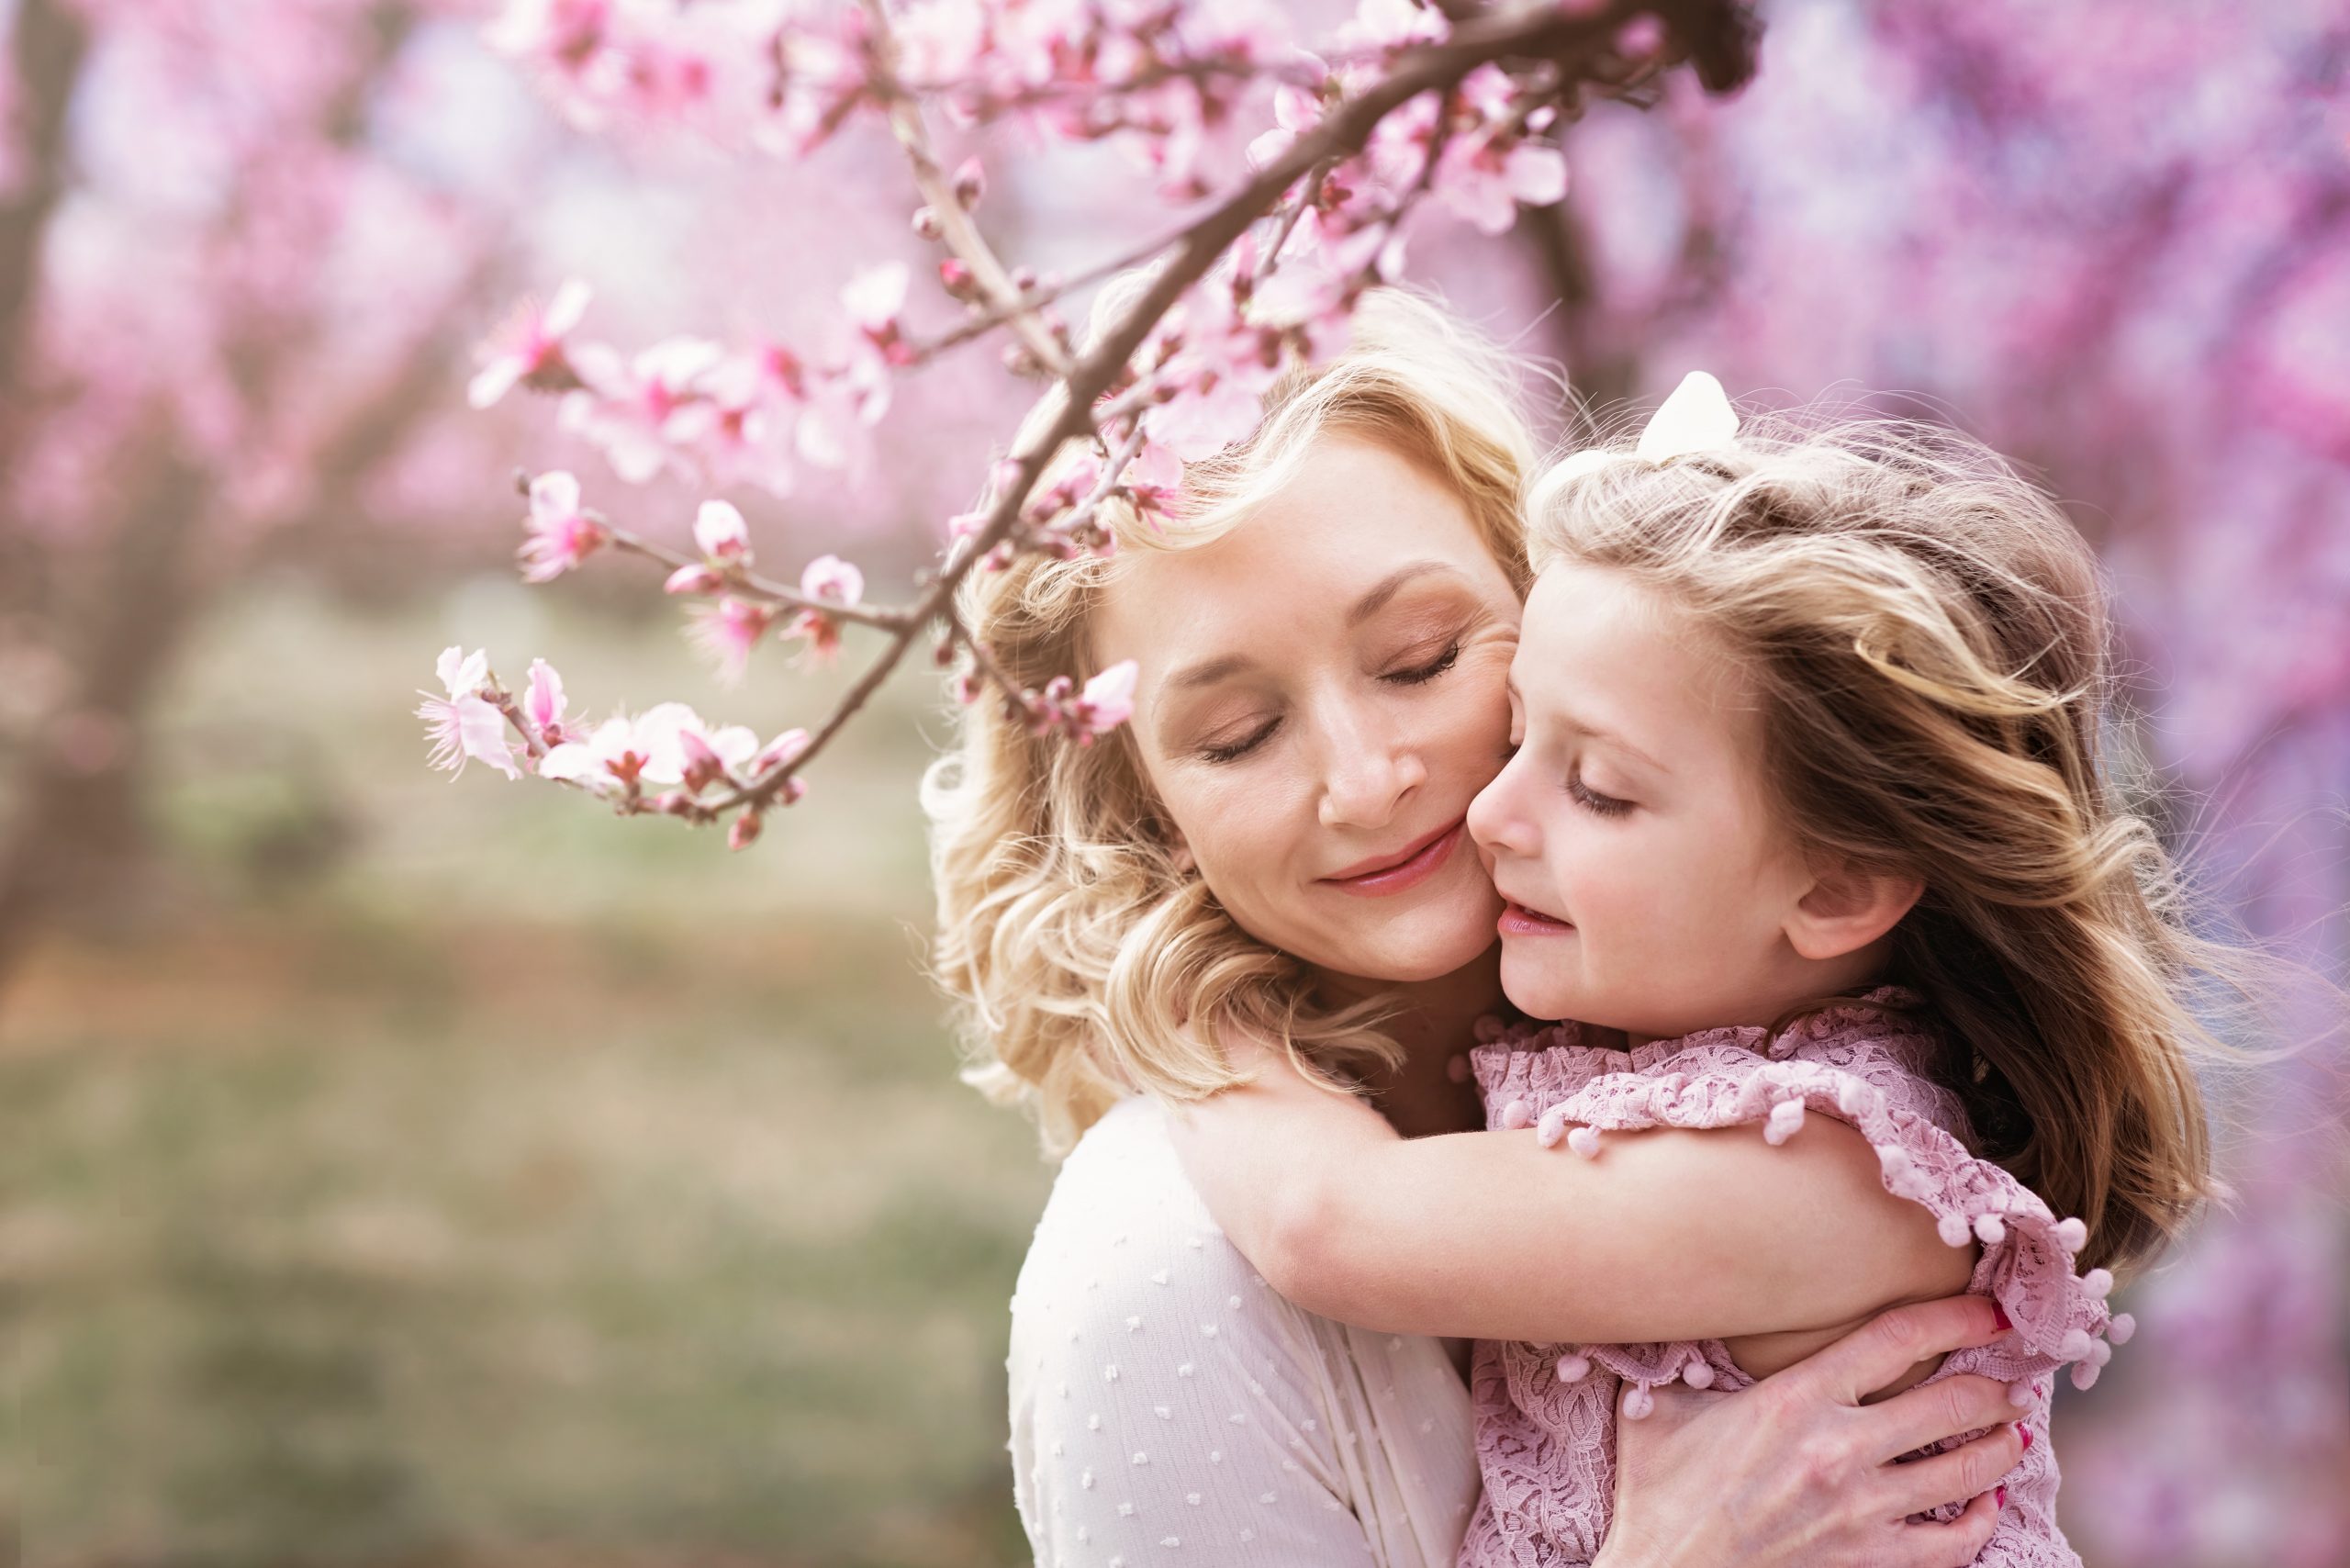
1369 775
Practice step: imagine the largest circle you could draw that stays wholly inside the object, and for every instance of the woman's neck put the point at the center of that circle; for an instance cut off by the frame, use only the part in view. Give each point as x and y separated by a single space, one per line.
1433 1024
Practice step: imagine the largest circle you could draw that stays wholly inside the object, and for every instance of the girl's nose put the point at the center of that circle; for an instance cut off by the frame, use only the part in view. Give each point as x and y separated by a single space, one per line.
1494 821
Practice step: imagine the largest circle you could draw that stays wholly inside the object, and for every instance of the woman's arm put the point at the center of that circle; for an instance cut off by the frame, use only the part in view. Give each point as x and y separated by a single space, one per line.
1796 1472
1664 1235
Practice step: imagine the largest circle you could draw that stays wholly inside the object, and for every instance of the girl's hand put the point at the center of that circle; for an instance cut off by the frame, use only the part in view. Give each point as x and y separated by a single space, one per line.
1797 1470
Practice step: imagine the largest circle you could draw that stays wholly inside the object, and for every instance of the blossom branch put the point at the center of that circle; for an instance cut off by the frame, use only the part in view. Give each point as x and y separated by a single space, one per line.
1098 396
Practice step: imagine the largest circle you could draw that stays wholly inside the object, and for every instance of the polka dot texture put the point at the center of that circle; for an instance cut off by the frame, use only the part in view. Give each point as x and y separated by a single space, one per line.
1168 1408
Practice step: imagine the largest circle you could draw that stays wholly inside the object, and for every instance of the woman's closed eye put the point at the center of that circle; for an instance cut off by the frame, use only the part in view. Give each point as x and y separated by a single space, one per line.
1419 674
1231 751
1411 674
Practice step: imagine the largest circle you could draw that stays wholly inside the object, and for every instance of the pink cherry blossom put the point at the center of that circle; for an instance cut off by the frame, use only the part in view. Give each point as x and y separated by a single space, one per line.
721 534
826 577
608 762
778 751
1485 183
875 301
664 745
1153 479
1109 698
463 724
694 577
741 430
543 705
1387 25
641 412
1106 701
686 749
727 631
561 534
529 346
829 577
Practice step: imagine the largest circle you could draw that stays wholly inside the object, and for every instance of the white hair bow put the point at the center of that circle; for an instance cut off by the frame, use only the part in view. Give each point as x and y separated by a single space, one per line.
1697 417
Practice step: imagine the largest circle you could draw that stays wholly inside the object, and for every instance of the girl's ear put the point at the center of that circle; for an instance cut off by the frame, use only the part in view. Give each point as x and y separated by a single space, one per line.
1179 851
1847 908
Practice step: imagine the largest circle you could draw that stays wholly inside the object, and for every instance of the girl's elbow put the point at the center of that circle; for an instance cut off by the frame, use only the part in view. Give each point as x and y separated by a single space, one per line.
1300 1254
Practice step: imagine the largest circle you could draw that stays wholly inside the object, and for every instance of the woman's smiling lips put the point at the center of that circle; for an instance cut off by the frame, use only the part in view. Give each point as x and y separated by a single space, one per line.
1519 921
1394 873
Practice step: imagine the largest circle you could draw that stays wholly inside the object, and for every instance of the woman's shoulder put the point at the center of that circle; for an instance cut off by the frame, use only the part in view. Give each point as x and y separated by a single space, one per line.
1125 1245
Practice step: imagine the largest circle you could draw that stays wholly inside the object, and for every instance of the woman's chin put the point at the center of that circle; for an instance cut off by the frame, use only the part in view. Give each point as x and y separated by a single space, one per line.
1412 950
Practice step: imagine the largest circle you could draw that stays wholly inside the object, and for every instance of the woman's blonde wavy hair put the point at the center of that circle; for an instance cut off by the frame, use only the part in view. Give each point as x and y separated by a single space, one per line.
1928 638
1086 959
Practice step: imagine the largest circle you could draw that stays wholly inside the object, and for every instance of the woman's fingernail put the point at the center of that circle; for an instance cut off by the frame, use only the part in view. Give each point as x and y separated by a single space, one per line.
2002 1495
2000 1316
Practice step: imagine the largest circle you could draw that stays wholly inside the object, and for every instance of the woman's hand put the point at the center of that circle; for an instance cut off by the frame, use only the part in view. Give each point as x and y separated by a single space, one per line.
1797 1470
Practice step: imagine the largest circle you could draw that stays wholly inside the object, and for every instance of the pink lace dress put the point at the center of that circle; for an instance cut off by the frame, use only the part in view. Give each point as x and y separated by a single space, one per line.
1546 1414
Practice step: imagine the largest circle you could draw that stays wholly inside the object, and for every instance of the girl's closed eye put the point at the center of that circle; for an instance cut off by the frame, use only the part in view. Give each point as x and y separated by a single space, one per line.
1592 800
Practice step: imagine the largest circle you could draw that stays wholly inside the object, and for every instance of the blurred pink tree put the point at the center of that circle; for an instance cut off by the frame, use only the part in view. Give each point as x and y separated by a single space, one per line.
248 249
222 310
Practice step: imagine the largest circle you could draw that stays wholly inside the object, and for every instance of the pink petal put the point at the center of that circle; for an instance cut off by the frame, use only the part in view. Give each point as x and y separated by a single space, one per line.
563 311
495 380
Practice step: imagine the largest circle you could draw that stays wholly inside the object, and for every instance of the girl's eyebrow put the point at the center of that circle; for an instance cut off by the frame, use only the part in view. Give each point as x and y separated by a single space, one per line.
1568 721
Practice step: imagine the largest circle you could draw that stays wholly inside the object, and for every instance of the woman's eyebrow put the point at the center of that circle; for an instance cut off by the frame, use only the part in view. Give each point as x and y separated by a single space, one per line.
1207 672
1393 584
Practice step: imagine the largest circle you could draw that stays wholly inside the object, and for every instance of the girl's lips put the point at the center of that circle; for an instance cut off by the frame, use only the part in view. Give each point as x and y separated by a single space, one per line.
1519 921
1413 869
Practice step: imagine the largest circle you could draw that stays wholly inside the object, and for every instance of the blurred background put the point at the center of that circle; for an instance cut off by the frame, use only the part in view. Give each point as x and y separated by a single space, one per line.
408 1172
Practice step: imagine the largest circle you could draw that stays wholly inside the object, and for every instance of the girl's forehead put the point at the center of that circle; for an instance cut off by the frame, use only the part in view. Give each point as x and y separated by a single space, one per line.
1604 652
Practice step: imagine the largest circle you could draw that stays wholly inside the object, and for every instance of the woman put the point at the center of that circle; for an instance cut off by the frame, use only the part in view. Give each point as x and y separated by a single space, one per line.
1275 844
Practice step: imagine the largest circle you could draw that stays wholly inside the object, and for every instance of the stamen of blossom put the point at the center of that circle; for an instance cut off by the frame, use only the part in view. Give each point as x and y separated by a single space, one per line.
560 534
464 726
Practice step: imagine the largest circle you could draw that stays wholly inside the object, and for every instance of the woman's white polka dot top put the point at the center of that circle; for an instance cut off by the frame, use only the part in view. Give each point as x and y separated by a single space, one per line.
1168 1408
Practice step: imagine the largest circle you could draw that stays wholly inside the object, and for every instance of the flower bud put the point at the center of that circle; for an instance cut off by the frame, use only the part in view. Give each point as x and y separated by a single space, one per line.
745 831
955 275
970 181
926 224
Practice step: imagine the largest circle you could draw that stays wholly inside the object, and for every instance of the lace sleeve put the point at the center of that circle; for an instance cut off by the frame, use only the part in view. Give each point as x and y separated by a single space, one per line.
2060 1317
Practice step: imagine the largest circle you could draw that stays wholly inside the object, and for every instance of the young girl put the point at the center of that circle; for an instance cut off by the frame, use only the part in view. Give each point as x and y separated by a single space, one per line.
1806 818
